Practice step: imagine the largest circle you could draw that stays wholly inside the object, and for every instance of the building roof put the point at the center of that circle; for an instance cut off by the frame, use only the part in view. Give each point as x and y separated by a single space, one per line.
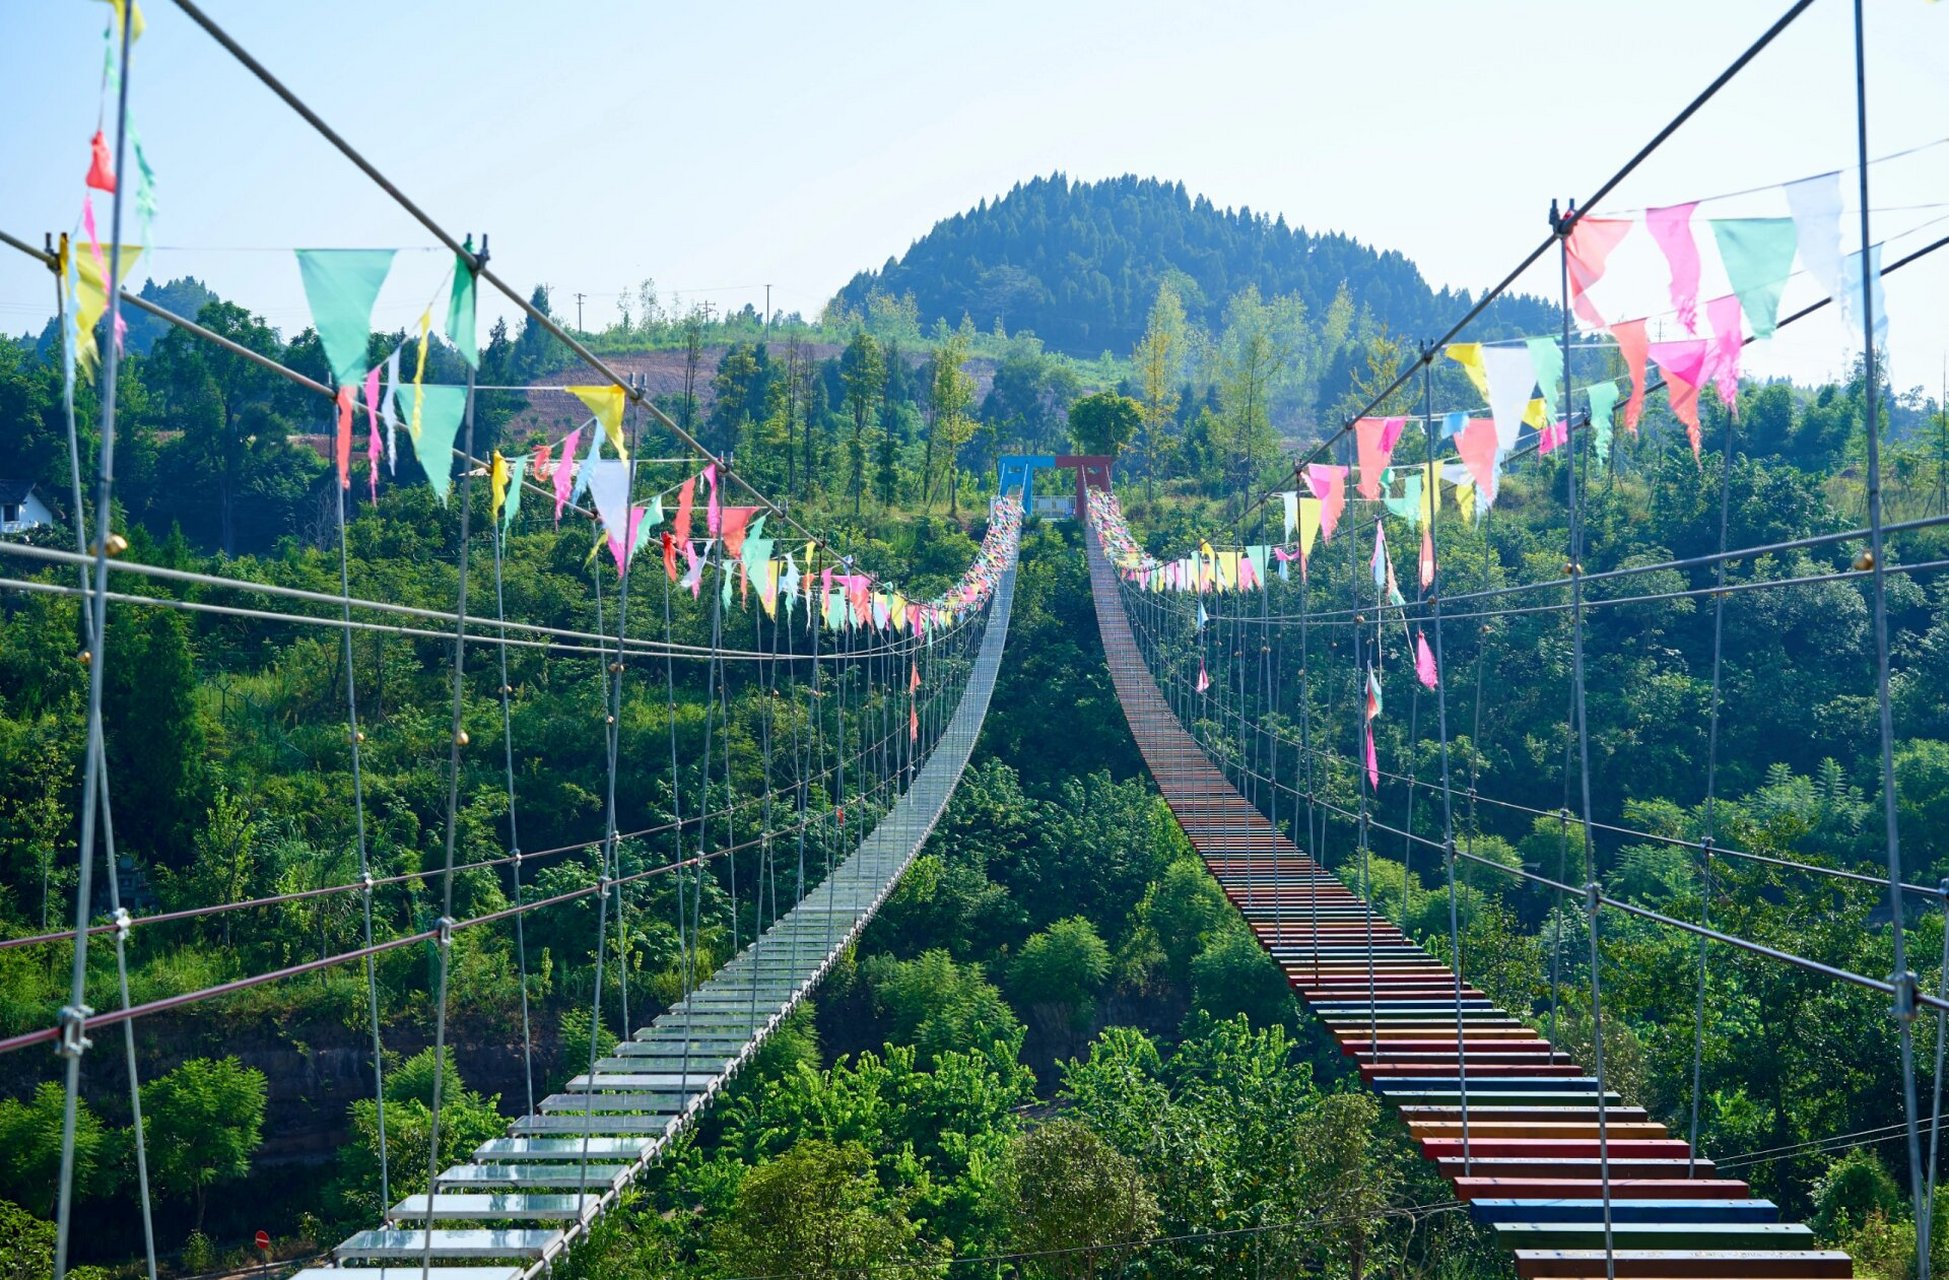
15 490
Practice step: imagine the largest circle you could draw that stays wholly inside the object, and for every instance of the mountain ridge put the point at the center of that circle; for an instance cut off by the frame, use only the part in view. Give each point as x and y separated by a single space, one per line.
1078 263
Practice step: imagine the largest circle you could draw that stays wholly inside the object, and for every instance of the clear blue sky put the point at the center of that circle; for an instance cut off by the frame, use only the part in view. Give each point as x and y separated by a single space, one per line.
718 147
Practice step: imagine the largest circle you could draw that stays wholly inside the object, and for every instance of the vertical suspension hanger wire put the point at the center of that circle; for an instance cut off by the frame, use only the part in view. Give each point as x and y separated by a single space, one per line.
1436 589
355 738
1903 979
107 814
1593 889
514 831
73 1042
443 943
1711 789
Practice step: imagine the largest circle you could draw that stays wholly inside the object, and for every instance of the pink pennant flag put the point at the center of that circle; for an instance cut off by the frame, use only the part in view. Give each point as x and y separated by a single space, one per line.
1427 556
670 555
732 522
1550 438
1633 344
542 467
1589 248
373 444
1329 485
1373 762
1722 364
686 500
1479 449
101 170
694 578
342 443
565 474
712 513
1376 438
1683 364
1671 227
1424 660
617 546
1204 677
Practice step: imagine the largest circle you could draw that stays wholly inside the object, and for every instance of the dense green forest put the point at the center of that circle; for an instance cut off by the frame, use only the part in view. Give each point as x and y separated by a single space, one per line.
1078 264
1058 1038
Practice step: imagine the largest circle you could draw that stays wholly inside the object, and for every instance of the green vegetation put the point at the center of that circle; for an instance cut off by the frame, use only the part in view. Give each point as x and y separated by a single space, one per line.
1057 1041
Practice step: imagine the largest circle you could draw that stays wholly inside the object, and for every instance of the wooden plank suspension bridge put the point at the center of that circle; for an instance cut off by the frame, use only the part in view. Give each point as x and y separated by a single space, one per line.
1555 1168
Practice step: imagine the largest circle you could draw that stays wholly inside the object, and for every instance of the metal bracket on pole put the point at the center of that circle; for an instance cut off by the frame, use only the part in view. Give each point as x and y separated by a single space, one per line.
73 1022
1907 988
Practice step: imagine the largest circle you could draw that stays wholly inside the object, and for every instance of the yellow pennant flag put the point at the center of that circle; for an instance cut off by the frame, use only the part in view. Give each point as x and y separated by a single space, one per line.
497 480
1537 414
1309 526
606 403
1465 499
419 376
91 297
1430 493
1228 570
768 588
1469 356
122 9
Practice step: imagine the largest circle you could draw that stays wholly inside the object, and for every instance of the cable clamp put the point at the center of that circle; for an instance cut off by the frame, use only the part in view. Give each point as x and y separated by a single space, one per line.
1593 896
443 932
515 856
1943 889
366 880
1707 847
1907 988
122 920
73 1024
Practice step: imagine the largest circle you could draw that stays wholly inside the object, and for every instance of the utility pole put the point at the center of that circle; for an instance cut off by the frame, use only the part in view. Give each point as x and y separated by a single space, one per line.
578 313
768 311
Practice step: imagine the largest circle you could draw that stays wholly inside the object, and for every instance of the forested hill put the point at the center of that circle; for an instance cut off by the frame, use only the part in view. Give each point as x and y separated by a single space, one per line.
1079 264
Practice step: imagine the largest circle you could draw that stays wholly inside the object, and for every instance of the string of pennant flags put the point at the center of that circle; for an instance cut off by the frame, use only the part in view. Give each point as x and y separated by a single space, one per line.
341 289
1520 381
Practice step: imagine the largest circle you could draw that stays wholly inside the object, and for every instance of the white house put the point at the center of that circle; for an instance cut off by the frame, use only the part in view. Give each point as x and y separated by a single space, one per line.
20 510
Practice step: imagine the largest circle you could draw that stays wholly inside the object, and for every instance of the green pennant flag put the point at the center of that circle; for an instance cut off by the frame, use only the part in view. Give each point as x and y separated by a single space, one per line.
439 423
1603 398
341 285
460 310
1758 253
1408 505
754 553
1547 357
517 470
